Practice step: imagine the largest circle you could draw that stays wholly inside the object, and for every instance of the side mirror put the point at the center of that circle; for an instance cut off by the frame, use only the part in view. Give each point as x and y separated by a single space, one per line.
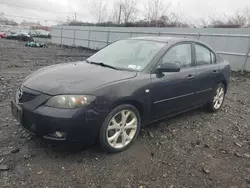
168 67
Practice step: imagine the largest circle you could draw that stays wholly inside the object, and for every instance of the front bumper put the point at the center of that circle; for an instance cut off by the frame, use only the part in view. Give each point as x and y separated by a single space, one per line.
81 124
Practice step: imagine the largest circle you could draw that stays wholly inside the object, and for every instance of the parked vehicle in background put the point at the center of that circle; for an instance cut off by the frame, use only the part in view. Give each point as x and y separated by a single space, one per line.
2 34
43 34
33 33
126 85
20 36
39 34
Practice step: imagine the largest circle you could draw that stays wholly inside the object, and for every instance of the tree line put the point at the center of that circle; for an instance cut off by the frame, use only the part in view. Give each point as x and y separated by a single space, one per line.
157 13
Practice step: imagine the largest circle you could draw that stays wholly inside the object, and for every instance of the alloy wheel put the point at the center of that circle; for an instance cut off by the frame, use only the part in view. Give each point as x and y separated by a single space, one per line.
121 129
218 98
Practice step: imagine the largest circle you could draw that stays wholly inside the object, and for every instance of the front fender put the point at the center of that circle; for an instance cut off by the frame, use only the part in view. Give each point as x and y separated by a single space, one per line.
131 91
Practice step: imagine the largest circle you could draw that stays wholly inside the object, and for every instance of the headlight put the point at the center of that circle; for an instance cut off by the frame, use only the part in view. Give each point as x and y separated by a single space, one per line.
69 101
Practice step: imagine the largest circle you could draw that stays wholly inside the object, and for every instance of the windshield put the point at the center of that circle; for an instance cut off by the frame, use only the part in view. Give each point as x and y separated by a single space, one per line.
128 54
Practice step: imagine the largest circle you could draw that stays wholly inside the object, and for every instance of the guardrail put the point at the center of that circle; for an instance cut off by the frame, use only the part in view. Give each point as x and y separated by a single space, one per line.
109 32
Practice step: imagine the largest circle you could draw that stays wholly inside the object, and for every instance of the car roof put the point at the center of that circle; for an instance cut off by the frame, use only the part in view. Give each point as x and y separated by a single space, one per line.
163 39
171 40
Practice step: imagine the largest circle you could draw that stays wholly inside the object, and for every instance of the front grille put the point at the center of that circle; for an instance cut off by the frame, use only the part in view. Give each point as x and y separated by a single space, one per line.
27 97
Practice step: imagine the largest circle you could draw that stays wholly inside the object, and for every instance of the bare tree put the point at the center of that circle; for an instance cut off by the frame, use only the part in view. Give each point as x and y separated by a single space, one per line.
203 22
177 18
247 15
216 21
129 10
99 10
157 13
179 12
155 9
235 20
114 17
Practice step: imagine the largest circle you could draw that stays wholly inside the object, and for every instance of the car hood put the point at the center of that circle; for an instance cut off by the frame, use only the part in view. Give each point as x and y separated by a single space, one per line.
74 78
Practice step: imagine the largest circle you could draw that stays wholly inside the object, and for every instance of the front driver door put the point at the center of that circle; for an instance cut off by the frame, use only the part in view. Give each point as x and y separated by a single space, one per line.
174 92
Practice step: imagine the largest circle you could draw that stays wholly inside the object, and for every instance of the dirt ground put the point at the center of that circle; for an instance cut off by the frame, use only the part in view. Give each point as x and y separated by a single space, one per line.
196 149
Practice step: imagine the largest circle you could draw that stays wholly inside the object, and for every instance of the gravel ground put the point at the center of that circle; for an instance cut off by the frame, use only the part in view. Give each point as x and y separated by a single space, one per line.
195 149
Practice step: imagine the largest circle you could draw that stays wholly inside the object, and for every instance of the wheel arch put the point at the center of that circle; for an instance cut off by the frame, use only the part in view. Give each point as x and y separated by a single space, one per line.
142 108
224 82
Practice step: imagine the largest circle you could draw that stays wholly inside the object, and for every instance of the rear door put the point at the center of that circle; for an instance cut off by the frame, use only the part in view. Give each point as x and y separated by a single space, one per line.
207 72
174 92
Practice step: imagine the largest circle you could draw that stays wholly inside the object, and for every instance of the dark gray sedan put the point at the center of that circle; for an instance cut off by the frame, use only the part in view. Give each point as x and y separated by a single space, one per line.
119 89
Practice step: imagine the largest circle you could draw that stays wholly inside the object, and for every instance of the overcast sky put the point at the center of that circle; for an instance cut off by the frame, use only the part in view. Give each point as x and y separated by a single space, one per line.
60 9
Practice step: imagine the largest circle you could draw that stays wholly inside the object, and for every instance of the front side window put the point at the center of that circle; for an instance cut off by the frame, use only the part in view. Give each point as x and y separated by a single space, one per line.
128 54
203 55
180 54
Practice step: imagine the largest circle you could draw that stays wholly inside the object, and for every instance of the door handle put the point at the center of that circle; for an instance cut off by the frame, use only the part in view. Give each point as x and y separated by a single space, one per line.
190 77
215 72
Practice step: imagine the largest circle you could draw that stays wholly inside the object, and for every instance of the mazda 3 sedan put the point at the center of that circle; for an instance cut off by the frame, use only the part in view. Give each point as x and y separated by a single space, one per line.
111 95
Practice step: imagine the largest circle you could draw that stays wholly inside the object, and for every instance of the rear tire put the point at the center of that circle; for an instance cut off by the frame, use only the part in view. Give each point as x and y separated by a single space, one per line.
217 98
120 128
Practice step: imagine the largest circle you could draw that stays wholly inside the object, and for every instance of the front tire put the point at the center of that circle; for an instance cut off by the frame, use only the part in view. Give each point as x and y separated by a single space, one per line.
120 128
217 98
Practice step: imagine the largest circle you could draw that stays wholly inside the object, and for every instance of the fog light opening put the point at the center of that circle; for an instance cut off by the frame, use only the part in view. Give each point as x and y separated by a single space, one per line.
60 134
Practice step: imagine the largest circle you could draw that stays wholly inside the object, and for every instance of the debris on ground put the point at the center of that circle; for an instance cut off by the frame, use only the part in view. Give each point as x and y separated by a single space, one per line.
152 154
206 170
206 146
238 144
15 150
161 143
224 151
1 160
151 134
237 154
36 44
247 155
248 180
27 156
4 167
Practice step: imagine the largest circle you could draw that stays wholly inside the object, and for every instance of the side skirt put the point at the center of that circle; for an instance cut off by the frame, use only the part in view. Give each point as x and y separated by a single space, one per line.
172 115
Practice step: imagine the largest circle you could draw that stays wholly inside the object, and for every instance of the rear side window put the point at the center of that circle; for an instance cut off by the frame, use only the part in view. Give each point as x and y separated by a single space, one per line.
203 55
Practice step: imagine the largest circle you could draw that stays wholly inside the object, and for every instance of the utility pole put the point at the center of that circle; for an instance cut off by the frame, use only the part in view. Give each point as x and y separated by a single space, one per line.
75 16
120 13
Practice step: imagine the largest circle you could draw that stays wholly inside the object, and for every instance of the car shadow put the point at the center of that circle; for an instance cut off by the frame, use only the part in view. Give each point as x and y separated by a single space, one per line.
93 151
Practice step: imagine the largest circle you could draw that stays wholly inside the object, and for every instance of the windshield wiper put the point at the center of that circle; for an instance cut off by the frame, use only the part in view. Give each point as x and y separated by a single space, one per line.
87 61
102 64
